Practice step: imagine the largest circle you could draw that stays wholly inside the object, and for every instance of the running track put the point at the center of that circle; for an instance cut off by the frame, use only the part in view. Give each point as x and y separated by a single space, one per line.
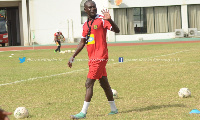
74 46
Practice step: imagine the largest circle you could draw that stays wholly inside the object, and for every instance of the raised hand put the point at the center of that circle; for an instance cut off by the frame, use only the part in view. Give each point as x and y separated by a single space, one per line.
106 14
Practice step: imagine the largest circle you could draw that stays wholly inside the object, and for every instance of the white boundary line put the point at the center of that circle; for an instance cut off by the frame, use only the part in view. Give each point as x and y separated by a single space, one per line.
42 77
12 50
77 71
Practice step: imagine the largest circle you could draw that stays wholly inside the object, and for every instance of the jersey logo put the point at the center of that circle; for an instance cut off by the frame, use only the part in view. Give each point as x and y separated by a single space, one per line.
59 37
95 26
91 39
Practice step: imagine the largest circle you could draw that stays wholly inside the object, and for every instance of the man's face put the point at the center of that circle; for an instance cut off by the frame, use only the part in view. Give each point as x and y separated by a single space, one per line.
90 9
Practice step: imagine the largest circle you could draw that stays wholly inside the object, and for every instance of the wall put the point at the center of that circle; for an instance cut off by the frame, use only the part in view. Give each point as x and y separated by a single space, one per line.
46 16
150 3
139 37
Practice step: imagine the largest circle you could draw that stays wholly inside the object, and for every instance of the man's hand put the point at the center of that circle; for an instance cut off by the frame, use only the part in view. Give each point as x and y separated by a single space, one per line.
108 18
106 14
4 115
70 62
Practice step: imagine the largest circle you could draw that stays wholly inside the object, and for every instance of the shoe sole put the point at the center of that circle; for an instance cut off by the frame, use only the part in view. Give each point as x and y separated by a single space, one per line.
112 114
73 117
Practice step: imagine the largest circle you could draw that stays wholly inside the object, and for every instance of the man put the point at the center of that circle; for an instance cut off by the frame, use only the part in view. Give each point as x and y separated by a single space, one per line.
4 115
57 38
95 29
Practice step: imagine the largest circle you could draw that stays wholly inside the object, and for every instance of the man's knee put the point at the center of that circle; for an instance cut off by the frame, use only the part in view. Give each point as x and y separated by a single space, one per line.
104 84
89 83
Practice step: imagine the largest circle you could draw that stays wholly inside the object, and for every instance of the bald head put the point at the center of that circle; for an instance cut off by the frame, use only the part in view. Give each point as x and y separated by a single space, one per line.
89 2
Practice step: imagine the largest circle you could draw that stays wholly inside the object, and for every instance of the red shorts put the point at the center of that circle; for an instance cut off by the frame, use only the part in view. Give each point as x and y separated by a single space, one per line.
97 69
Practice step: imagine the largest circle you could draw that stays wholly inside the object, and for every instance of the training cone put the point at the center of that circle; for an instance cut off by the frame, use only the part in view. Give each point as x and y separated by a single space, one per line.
195 111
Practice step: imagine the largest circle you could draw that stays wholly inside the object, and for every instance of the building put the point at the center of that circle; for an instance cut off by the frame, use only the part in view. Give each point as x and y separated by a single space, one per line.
35 21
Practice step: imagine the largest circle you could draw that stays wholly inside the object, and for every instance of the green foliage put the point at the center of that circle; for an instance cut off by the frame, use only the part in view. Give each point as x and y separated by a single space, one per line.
3 12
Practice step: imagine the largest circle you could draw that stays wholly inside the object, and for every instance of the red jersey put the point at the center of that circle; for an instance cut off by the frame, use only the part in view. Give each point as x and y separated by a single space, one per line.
97 45
58 35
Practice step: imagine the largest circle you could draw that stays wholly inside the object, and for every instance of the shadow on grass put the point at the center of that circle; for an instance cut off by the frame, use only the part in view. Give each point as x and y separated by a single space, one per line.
152 107
118 98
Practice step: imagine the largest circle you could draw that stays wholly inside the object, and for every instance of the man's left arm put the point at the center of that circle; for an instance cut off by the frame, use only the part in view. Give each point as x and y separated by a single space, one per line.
114 26
108 18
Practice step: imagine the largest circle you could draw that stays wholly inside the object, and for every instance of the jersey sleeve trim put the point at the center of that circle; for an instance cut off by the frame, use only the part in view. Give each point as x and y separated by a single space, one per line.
103 21
110 28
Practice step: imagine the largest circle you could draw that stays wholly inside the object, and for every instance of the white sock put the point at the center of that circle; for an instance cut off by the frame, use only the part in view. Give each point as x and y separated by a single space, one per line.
112 105
85 107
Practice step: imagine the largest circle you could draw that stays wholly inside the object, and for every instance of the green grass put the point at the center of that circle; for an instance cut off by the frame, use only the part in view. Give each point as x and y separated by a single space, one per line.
147 83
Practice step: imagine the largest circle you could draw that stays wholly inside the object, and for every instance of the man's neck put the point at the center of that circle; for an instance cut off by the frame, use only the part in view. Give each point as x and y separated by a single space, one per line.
91 18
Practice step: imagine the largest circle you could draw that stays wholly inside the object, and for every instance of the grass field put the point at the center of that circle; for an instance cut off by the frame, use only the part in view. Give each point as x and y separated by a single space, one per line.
147 83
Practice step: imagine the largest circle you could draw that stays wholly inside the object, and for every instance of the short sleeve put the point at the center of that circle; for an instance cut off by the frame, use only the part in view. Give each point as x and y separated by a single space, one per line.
84 32
106 25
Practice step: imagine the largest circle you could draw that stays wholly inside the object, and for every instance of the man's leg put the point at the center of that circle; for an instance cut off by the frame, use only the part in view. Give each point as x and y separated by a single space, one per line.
59 46
88 96
89 89
56 49
107 89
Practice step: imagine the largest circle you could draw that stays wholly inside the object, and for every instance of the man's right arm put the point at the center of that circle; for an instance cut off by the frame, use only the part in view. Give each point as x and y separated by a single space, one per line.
55 38
78 49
